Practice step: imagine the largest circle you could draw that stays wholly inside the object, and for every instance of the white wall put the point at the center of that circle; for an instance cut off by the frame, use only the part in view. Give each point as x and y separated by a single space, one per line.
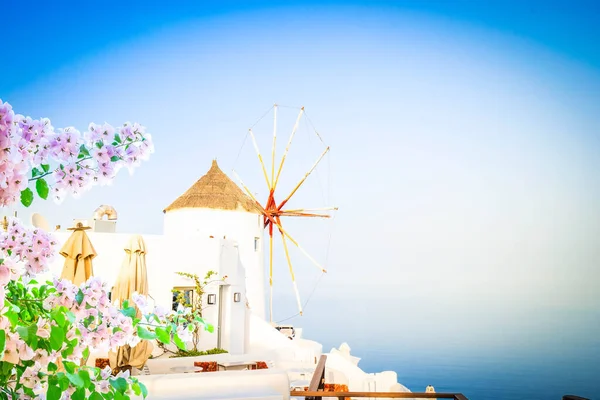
267 384
110 248
242 227
166 255
187 246
234 330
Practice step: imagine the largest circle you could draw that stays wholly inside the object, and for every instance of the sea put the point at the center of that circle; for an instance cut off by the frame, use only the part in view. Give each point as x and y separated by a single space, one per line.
540 355
509 376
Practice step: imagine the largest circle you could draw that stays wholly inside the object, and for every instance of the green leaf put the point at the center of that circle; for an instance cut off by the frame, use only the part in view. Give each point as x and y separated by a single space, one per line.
7 368
84 151
2 340
117 138
57 337
52 367
96 396
26 197
53 393
119 396
79 394
144 389
33 342
85 376
136 388
27 332
69 366
128 312
75 379
41 186
58 315
79 297
162 335
210 328
45 167
15 307
99 144
115 158
144 333
179 343
67 352
35 172
63 381
94 372
70 316
120 384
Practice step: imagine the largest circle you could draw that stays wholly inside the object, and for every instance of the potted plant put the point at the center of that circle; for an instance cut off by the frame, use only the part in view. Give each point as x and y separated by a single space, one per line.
189 311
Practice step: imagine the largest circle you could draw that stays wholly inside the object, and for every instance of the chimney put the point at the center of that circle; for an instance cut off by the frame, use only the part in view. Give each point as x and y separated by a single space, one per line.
108 225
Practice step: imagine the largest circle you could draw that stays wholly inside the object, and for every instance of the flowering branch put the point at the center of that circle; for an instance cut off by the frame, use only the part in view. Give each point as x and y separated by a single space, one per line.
47 329
32 151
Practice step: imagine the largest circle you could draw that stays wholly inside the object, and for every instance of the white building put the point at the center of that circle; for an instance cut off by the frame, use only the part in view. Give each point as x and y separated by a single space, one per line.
212 226
216 208
215 226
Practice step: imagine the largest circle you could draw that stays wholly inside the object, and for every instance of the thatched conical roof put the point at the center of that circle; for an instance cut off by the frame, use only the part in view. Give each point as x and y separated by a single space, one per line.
214 190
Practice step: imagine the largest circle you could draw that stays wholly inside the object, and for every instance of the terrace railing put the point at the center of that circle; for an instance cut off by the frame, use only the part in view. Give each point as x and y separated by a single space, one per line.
316 390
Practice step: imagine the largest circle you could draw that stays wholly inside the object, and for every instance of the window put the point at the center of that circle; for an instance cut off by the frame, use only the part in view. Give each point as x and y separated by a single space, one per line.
184 296
256 243
212 299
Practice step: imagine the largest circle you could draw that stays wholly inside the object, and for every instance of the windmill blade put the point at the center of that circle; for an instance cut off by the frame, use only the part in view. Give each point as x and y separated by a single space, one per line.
289 261
300 214
311 209
274 146
299 247
262 209
262 164
307 212
287 148
304 178
271 274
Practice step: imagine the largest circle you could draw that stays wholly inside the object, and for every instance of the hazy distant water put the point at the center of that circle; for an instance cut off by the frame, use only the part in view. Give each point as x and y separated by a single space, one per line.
534 354
509 376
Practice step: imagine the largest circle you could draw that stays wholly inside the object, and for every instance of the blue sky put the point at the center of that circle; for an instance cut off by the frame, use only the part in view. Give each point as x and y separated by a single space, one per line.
465 139
65 32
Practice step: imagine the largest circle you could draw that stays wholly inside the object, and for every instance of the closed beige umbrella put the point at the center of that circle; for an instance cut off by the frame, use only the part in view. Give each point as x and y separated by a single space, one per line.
132 278
78 252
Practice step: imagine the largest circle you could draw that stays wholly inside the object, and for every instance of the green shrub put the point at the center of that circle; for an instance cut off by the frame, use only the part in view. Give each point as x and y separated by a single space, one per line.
196 353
